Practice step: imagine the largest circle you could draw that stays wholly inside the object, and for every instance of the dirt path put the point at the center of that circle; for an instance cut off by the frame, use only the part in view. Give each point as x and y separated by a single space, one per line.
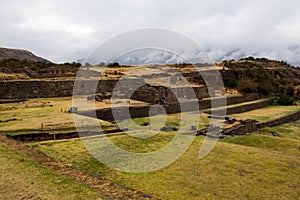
106 187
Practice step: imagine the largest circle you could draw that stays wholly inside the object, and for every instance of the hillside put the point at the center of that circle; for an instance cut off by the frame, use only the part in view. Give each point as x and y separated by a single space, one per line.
261 75
16 64
20 54
257 159
248 75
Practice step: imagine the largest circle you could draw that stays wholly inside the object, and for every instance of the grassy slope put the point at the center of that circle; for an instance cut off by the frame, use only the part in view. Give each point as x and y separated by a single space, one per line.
230 171
285 145
289 130
23 178
264 168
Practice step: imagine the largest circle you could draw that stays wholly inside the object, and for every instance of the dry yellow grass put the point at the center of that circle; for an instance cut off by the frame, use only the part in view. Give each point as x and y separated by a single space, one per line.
24 178
230 171
12 76
267 113
31 114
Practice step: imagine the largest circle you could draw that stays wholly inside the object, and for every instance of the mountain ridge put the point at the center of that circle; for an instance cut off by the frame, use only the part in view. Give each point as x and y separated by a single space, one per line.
20 54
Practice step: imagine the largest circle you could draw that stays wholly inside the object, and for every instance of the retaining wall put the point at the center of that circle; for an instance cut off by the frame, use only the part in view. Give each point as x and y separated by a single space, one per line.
285 119
37 137
149 93
245 108
203 104
49 88
27 89
249 126
122 113
170 108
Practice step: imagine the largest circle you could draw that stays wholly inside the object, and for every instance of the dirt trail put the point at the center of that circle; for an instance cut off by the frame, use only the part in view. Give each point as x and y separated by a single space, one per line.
106 187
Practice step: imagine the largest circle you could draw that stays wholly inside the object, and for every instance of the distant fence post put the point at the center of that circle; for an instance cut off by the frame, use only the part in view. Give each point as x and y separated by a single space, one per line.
54 135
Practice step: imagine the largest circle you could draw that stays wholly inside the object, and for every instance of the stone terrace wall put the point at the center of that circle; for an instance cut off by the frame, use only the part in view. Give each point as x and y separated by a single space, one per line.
63 88
285 119
48 88
249 126
240 99
229 100
35 89
139 111
246 108
149 93
249 107
36 137
171 108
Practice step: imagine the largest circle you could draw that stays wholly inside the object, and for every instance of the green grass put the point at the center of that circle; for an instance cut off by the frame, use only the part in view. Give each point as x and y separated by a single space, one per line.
230 171
288 130
246 167
136 144
24 178
268 113
174 120
290 146
32 113
239 104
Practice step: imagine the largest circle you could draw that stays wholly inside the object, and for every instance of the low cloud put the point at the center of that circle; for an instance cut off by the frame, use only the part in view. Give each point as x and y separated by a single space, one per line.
68 30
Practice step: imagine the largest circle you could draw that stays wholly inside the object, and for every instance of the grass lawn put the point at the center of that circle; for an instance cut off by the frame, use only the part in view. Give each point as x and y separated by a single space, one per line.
288 130
268 113
230 171
286 145
31 114
247 167
239 104
173 120
24 178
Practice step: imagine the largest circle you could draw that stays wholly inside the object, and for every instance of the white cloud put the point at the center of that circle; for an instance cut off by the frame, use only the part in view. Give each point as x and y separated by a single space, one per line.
68 30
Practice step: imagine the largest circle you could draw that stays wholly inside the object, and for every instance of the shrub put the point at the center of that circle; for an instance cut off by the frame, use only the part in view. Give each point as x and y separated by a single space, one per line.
285 100
247 86
264 89
232 83
297 95
290 91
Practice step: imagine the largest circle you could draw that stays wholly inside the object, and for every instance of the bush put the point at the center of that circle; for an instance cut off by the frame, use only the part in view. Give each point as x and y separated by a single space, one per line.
232 83
285 100
264 89
290 91
247 86
297 95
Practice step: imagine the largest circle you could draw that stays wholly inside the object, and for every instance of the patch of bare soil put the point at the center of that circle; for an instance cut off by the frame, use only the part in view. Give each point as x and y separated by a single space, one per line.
106 187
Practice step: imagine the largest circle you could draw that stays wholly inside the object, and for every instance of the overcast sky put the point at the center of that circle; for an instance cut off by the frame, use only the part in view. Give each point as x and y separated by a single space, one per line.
68 30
